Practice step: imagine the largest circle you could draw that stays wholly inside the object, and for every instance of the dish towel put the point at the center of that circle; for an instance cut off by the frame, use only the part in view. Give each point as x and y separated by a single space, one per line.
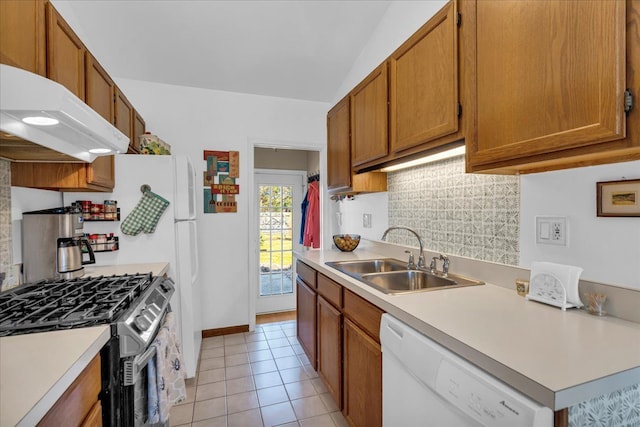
169 372
146 214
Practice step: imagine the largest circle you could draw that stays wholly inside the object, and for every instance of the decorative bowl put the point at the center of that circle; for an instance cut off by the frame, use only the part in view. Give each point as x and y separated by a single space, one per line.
346 242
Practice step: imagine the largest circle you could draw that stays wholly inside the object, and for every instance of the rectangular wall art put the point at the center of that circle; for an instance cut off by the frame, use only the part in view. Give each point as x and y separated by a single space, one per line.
223 170
618 198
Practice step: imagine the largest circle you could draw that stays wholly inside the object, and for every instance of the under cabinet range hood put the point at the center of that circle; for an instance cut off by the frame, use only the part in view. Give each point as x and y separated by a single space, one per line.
36 112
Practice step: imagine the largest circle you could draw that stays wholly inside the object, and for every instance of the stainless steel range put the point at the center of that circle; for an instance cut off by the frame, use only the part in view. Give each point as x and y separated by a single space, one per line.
134 306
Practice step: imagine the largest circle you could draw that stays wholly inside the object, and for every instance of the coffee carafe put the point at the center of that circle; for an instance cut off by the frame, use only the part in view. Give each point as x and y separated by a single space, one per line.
52 242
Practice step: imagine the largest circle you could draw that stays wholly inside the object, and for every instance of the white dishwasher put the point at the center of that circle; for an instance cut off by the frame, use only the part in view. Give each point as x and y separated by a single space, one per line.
424 384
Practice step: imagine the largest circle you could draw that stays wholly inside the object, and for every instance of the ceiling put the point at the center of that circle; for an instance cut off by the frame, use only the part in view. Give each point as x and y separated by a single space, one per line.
300 49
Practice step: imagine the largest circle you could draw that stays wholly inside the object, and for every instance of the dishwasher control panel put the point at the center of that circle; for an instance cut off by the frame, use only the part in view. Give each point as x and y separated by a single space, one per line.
485 399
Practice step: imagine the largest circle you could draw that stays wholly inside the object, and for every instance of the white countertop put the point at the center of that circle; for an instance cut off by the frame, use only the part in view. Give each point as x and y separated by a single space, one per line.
36 369
156 269
558 358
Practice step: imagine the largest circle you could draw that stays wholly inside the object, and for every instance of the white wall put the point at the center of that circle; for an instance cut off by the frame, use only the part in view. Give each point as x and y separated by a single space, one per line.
192 120
607 248
351 215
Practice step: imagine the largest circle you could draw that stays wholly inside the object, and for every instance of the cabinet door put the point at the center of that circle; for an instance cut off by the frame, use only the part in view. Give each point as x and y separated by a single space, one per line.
99 89
22 35
99 95
423 83
123 114
65 54
550 76
339 146
369 135
94 418
79 401
330 348
139 128
306 320
362 378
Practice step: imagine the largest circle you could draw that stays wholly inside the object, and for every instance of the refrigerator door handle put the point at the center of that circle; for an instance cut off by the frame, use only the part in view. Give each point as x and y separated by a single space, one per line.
194 251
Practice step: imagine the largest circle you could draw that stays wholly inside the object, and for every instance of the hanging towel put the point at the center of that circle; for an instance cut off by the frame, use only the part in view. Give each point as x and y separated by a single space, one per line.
304 205
312 223
170 374
146 214
152 395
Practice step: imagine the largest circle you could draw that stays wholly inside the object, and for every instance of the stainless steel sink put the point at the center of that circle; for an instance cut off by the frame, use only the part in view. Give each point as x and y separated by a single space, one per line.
369 265
391 276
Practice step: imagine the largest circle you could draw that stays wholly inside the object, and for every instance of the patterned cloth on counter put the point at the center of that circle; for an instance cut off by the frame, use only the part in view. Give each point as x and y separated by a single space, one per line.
146 214
169 372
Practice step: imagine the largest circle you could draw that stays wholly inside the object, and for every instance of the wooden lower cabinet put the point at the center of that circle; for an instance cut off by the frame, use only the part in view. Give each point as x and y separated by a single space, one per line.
362 377
306 299
94 418
79 405
330 348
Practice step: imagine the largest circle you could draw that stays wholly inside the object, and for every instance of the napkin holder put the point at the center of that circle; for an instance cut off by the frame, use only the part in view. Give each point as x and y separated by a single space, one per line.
555 284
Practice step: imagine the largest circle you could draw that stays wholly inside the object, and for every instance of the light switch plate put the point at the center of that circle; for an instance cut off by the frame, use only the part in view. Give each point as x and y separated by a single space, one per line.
366 220
552 230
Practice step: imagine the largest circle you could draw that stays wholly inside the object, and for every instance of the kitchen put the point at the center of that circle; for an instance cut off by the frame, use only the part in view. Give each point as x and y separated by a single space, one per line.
221 119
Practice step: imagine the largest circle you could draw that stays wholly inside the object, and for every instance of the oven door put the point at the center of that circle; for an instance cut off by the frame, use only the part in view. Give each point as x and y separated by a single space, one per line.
136 389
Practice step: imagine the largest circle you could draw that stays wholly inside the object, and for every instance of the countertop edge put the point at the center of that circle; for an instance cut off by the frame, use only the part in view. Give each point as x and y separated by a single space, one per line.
51 397
156 269
556 400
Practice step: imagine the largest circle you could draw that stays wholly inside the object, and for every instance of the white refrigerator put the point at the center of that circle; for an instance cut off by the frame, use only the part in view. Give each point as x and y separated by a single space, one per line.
174 239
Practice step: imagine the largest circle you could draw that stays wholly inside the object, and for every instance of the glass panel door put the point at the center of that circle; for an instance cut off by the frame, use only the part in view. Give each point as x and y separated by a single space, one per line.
279 198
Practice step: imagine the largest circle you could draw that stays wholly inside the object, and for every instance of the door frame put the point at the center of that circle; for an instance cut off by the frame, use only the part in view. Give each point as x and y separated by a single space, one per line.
254 261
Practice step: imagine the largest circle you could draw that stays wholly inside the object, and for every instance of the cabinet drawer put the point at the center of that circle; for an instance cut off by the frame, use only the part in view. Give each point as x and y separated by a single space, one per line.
306 273
362 312
330 290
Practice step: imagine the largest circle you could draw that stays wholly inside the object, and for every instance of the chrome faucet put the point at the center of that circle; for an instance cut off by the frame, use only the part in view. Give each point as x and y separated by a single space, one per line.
421 262
445 264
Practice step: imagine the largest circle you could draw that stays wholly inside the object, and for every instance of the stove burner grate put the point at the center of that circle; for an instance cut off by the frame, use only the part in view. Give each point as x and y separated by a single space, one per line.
63 304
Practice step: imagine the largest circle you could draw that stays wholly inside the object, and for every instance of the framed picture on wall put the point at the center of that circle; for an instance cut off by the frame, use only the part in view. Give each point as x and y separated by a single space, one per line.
618 198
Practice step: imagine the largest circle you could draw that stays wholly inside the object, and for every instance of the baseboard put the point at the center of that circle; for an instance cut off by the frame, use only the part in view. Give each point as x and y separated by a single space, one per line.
208 333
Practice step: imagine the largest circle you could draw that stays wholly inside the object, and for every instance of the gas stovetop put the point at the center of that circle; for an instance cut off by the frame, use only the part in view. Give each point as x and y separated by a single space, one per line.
65 304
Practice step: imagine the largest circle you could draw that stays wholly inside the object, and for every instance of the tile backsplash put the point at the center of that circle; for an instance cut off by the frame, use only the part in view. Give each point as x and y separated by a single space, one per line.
5 218
470 215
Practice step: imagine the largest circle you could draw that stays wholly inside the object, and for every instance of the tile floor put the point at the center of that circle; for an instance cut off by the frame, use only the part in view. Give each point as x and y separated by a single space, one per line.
256 379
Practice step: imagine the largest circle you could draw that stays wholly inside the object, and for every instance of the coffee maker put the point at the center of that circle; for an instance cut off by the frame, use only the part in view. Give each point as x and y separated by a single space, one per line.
52 244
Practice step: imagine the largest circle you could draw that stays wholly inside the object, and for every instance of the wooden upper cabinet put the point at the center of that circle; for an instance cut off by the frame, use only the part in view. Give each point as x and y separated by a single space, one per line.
549 82
99 95
65 54
99 89
139 128
369 130
22 35
423 83
339 146
124 114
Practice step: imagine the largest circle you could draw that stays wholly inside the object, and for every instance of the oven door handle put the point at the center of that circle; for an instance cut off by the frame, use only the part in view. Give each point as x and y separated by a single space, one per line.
133 368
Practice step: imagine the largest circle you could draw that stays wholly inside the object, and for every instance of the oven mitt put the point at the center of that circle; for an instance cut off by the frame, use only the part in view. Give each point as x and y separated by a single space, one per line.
146 214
